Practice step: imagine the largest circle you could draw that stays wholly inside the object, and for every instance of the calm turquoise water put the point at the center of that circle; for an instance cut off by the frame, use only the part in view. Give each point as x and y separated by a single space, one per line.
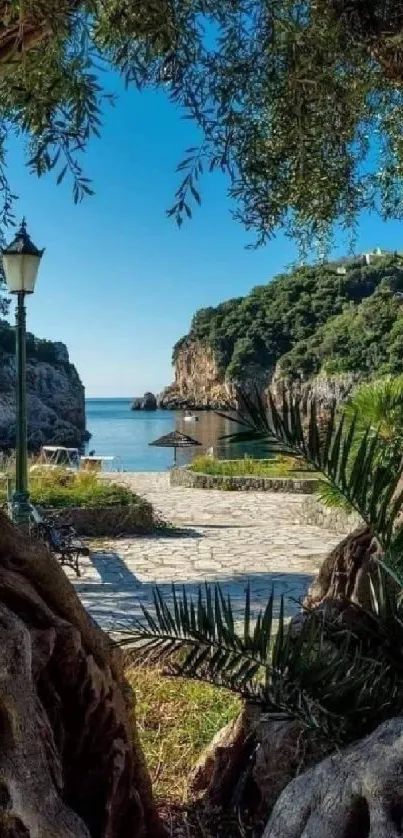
118 431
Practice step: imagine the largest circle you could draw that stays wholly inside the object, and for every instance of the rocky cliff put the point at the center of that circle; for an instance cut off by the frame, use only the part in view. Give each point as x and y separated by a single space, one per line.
55 394
198 383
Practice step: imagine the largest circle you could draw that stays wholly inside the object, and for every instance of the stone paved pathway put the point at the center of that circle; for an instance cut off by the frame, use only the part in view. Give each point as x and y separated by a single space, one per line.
231 537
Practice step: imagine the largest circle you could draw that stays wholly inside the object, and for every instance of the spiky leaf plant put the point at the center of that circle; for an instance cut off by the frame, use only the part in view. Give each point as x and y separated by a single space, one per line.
367 475
319 674
378 406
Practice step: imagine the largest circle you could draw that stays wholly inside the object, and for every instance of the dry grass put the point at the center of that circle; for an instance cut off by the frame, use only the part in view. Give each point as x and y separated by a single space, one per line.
176 719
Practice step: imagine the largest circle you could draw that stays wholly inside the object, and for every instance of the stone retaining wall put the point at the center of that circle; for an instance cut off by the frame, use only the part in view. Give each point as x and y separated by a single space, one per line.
196 480
107 521
334 520
311 511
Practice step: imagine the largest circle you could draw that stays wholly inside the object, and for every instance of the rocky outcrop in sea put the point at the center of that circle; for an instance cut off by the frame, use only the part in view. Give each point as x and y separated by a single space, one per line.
55 394
146 402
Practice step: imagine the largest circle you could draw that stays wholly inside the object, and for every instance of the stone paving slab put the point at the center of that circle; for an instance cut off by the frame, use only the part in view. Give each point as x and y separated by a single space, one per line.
233 538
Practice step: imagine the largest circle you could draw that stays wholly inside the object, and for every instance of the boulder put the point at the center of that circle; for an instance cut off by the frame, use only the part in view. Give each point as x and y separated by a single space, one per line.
137 403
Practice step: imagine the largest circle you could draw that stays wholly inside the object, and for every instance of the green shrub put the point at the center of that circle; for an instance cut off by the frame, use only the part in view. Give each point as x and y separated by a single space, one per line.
7 338
248 467
81 489
101 495
59 488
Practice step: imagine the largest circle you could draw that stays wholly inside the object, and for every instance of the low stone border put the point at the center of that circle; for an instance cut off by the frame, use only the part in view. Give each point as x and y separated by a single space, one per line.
334 520
107 521
196 480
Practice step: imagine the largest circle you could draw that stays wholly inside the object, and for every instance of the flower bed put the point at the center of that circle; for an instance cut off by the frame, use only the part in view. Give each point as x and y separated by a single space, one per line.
279 466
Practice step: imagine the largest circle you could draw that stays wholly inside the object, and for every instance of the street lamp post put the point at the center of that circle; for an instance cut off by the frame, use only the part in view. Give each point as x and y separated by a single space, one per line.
21 263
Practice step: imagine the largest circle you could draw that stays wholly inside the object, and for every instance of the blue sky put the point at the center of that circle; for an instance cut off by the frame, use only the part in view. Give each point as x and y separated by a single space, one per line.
119 281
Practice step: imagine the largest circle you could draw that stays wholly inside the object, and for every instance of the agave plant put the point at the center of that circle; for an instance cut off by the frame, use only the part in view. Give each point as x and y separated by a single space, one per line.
336 681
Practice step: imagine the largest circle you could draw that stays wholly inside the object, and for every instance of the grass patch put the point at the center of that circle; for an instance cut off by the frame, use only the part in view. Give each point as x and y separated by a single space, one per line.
248 467
176 719
59 488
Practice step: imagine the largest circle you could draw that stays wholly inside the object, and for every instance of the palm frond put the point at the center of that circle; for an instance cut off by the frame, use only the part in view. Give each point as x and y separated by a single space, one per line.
378 405
363 476
203 632
328 494
317 674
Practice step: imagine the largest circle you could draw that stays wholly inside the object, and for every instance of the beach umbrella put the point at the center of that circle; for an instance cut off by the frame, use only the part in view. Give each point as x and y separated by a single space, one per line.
175 440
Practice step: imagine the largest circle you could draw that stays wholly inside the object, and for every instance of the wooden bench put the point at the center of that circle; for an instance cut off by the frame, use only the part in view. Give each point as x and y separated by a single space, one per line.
62 540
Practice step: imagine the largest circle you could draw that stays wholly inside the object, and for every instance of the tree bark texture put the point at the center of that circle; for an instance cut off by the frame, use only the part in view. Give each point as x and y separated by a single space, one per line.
357 793
220 767
346 572
71 765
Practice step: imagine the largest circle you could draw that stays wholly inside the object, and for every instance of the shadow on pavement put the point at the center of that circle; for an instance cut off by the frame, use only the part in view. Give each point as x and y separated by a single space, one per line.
114 600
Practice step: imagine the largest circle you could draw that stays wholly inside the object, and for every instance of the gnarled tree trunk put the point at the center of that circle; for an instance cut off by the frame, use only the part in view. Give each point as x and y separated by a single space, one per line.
344 578
354 794
71 765
346 572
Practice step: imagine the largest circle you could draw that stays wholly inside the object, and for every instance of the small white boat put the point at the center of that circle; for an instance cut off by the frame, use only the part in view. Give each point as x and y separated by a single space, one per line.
190 417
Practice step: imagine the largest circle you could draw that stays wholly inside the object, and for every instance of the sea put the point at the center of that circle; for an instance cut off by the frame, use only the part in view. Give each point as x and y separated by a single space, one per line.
125 434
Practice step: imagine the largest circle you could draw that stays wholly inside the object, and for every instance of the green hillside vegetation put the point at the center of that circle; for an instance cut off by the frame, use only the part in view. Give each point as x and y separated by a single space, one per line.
311 320
38 349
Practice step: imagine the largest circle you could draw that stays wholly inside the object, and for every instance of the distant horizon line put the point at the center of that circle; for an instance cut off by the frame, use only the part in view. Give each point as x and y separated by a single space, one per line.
109 398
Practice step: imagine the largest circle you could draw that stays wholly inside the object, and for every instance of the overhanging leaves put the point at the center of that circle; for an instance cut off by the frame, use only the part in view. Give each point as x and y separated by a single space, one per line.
286 96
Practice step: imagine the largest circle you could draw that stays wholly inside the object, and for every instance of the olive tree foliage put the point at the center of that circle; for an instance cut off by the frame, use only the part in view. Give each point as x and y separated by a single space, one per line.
298 101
